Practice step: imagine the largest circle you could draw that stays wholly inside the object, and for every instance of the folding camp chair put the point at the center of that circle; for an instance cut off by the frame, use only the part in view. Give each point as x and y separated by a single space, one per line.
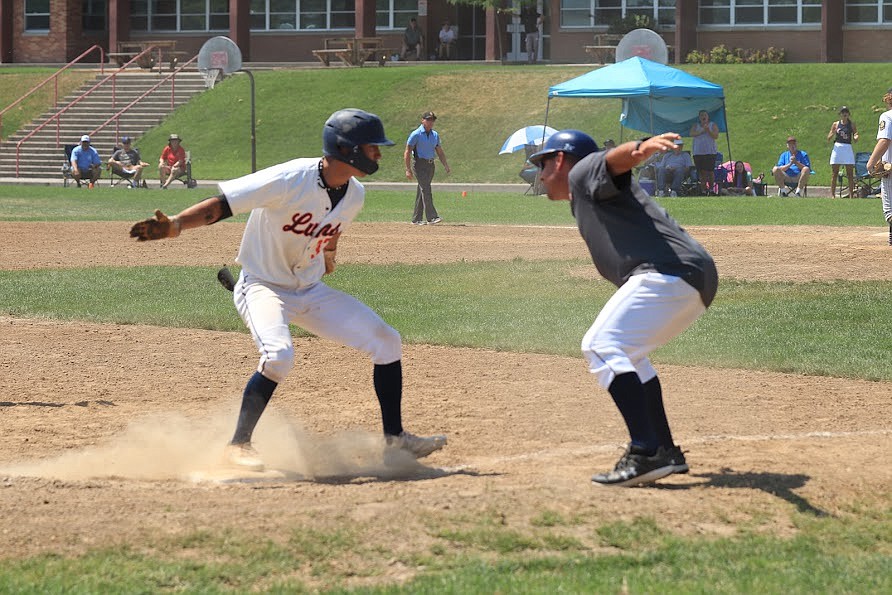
530 173
66 167
186 177
865 184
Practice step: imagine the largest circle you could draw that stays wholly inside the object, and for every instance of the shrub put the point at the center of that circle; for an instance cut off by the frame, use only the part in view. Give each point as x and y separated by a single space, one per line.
722 55
631 22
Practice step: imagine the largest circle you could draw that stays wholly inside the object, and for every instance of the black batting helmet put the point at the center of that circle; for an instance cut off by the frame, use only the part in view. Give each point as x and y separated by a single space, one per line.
344 133
574 142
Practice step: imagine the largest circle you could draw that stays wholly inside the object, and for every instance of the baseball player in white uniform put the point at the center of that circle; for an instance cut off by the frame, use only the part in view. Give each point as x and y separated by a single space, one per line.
665 282
882 152
298 212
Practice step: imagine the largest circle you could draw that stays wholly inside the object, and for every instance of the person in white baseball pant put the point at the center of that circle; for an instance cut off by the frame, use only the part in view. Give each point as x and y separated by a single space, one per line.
665 279
883 152
298 212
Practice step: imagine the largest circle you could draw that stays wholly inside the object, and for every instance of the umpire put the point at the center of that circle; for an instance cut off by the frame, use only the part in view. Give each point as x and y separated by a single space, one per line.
421 148
666 281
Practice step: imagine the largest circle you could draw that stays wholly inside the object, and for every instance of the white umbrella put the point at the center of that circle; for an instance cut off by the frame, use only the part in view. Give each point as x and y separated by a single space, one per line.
531 135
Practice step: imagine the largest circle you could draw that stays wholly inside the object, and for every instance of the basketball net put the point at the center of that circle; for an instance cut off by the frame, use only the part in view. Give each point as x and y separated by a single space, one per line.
210 77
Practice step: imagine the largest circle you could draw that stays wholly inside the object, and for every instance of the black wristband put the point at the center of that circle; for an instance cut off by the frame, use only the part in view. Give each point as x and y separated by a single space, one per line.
638 144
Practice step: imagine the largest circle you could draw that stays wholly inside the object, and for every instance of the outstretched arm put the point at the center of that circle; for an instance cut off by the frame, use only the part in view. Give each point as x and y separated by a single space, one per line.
627 155
161 226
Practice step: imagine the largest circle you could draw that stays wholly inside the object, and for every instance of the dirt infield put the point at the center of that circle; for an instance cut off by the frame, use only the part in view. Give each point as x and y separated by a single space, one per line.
104 425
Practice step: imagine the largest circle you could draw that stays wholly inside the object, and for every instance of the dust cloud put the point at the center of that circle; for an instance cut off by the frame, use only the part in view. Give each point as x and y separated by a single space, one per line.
171 446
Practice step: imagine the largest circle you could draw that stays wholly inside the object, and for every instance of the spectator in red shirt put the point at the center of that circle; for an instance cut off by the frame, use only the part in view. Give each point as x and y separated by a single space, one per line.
172 163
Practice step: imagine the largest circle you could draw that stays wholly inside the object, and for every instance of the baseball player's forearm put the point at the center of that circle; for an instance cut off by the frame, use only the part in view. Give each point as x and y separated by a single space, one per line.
161 226
627 155
878 151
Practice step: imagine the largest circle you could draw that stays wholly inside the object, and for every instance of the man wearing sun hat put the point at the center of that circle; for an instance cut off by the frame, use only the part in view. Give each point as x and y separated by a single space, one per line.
85 163
127 163
172 163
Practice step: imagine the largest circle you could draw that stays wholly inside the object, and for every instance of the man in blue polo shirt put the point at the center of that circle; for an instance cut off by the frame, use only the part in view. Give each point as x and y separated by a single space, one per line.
85 162
793 167
422 146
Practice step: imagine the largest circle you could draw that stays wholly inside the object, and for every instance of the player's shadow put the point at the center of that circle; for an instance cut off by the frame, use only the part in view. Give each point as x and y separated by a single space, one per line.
421 473
46 404
780 485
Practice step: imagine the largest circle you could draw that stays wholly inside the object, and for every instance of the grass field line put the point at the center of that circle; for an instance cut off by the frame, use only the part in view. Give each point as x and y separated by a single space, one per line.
601 448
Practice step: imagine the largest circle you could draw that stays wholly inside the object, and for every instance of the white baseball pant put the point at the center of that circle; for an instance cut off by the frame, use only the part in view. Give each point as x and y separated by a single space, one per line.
647 312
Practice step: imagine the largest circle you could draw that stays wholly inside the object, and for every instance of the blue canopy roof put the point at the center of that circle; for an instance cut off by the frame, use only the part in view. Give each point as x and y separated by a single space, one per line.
656 98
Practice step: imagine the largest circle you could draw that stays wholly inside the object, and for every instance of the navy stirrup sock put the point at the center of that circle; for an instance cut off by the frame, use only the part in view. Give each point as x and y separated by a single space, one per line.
388 381
628 394
653 394
258 392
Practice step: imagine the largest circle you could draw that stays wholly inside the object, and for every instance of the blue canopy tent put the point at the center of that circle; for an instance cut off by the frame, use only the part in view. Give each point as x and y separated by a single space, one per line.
656 98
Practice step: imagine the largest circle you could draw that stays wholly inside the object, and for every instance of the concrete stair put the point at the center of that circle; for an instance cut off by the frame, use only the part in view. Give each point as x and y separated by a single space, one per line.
42 157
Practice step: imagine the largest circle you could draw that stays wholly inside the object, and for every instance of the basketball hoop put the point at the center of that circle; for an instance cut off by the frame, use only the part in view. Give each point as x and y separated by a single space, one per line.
210 76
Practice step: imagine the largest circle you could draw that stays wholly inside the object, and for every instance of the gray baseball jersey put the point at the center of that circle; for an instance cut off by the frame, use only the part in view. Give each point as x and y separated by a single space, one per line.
627 233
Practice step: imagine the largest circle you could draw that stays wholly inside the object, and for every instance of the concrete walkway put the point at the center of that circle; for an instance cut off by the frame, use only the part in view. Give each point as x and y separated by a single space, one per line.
813 191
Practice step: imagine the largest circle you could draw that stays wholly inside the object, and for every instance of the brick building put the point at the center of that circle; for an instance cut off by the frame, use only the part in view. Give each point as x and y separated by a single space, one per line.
39 31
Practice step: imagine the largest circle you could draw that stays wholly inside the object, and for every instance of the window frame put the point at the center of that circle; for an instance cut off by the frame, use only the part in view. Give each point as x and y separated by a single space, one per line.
590 10
32 14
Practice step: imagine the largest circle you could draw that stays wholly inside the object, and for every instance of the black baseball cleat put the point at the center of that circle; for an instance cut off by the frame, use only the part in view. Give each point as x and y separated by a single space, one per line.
635 469
676 457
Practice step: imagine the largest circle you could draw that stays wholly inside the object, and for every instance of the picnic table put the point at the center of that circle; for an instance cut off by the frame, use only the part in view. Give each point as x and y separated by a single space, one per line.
166 52
604 49
354 51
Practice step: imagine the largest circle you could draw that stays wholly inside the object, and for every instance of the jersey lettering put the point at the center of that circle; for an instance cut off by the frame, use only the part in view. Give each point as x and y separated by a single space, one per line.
302 224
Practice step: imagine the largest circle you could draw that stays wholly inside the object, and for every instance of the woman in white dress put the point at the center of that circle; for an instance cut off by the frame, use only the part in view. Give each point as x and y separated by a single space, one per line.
842 134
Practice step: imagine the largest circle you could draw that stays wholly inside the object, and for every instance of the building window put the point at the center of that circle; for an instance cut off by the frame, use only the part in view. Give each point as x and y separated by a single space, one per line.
394 14
869 12
179 15
312 15
760 12
93 15
601 13
37 15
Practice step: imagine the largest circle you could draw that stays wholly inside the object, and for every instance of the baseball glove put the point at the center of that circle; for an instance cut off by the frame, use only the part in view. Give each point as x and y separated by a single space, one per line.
157 228
881 169
224 276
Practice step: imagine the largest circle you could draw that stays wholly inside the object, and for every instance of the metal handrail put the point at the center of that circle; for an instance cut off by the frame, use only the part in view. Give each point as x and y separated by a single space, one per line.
170 77
55 77
57 115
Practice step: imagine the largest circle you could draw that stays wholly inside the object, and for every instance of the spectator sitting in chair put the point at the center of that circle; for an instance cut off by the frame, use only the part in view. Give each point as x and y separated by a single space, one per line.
447 42
609 144
127 163
85 163
793 167
172 163
676 165
413 41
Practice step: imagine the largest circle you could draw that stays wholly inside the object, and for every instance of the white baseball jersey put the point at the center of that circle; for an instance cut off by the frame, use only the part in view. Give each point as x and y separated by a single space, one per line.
885 131
291 221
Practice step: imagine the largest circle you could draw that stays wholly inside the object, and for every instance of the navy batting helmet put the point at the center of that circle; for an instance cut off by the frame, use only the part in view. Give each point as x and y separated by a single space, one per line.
349 129
574 142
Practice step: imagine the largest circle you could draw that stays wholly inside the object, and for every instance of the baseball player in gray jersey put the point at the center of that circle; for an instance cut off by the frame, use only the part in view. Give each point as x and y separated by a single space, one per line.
666 281
298 212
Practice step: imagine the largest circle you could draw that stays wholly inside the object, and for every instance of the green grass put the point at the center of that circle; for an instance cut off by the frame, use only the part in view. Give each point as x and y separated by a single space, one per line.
481 105
827 555
16 81
43 203
751 325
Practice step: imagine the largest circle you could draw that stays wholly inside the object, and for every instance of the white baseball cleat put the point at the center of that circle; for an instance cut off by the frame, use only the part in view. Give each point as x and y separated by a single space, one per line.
243 456
418 446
